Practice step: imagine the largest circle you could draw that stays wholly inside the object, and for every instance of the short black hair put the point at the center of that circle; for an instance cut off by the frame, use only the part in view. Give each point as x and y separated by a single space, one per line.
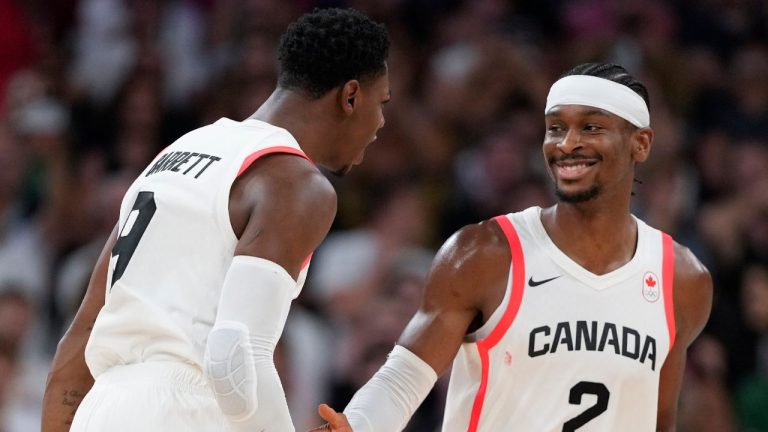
612 72
325 48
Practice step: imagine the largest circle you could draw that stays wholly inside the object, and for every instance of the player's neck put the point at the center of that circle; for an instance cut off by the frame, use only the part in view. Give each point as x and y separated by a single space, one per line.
306 119
600 235
605 217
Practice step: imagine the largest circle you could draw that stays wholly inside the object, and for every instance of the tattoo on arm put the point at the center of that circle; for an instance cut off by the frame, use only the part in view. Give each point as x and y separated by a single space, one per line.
72 398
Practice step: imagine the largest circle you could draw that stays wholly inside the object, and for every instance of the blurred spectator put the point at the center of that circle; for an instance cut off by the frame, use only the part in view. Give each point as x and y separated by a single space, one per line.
104 52
8 373
308 364
21 390
21 258
704 389
746 113
364 345
17 48
16 316
503 173
752 397
350 267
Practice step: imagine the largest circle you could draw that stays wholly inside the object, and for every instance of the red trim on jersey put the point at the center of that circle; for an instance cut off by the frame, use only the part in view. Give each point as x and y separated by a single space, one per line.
477 406
306 261
516 297
668 278
269 150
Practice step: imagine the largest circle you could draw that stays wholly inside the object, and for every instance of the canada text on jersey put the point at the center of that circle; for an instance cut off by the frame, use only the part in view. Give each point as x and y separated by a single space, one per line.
593 336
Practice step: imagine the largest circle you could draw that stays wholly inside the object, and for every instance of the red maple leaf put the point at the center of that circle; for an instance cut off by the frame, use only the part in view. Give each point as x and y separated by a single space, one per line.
651 282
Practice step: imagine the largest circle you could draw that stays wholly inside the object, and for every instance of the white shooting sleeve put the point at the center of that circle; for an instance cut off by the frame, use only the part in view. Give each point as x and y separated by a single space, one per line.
239 363
387 402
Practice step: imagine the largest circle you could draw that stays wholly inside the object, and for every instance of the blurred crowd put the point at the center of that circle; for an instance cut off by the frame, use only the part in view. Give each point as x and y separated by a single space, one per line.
91 90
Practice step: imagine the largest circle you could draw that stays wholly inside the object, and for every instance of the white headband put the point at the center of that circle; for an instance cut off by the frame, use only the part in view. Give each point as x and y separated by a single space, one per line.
600 93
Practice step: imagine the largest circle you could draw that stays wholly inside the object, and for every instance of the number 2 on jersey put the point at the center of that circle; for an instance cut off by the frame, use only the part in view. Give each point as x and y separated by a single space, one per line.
577 391
145 207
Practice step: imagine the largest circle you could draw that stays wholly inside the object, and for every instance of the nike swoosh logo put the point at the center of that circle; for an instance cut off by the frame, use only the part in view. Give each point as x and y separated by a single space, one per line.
534 283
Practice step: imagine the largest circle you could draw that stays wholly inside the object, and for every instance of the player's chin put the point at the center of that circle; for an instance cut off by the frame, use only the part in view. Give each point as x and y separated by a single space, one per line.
344 170
576 194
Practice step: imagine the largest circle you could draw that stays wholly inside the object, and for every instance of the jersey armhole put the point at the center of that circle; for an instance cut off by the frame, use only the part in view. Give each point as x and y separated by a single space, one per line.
253 157
222 200
516 298
247 162
517 276
668 283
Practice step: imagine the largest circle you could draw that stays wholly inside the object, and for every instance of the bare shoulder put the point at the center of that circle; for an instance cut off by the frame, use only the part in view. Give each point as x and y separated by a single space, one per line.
471 265
692 294
473 246
281 208
297 180
466 283
688 268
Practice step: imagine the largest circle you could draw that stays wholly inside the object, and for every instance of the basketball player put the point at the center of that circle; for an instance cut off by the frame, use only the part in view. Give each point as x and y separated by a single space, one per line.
572 317
190 294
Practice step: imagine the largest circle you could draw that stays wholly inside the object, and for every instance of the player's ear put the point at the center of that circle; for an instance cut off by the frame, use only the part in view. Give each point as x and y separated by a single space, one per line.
642 141
349 92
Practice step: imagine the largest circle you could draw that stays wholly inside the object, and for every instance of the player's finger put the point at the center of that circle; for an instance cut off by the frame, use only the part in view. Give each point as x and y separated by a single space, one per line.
337 421
327 413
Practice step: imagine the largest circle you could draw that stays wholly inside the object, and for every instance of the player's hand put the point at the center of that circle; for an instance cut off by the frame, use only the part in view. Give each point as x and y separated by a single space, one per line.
337 422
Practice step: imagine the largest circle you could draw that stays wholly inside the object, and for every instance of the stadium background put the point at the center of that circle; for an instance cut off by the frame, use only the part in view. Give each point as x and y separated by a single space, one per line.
91 90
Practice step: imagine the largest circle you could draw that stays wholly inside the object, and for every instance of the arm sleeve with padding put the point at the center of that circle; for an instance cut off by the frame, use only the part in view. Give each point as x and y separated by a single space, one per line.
239 363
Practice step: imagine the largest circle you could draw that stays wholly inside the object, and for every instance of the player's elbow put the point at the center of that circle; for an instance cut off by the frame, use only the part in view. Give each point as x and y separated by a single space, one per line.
230 369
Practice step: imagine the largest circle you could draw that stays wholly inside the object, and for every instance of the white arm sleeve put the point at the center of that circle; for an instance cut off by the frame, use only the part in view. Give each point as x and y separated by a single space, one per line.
239 364
387 402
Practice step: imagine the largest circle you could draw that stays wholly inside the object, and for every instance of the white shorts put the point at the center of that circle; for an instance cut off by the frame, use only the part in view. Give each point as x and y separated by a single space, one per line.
150 397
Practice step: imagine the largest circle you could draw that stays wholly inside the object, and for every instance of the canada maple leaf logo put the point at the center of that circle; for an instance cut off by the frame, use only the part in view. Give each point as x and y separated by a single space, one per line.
650 287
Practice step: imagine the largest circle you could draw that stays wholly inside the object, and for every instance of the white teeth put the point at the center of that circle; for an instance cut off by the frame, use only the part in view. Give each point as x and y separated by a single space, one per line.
574 167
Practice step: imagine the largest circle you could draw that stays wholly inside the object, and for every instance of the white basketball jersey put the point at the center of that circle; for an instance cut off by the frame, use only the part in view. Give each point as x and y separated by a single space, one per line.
175 246
567 349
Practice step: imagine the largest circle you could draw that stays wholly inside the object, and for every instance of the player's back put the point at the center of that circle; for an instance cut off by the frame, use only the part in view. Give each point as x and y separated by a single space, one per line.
175 245
567 349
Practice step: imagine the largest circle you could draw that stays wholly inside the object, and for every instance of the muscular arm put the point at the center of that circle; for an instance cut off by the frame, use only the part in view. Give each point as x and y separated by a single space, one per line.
467 279
280 212
281 209
466 282
692 304
69 379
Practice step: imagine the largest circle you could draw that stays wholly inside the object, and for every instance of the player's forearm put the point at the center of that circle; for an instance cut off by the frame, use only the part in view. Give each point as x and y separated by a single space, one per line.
60 404
387 402
68 381
272 412
238 361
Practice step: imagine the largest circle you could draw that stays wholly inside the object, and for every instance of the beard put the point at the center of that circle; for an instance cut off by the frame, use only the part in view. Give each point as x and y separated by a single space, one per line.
577 197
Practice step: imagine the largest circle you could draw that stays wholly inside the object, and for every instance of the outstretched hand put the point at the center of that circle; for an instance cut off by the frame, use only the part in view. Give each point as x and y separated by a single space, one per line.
337 422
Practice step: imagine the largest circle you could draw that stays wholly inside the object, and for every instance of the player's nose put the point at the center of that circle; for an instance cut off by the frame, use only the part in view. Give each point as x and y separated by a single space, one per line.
570 142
